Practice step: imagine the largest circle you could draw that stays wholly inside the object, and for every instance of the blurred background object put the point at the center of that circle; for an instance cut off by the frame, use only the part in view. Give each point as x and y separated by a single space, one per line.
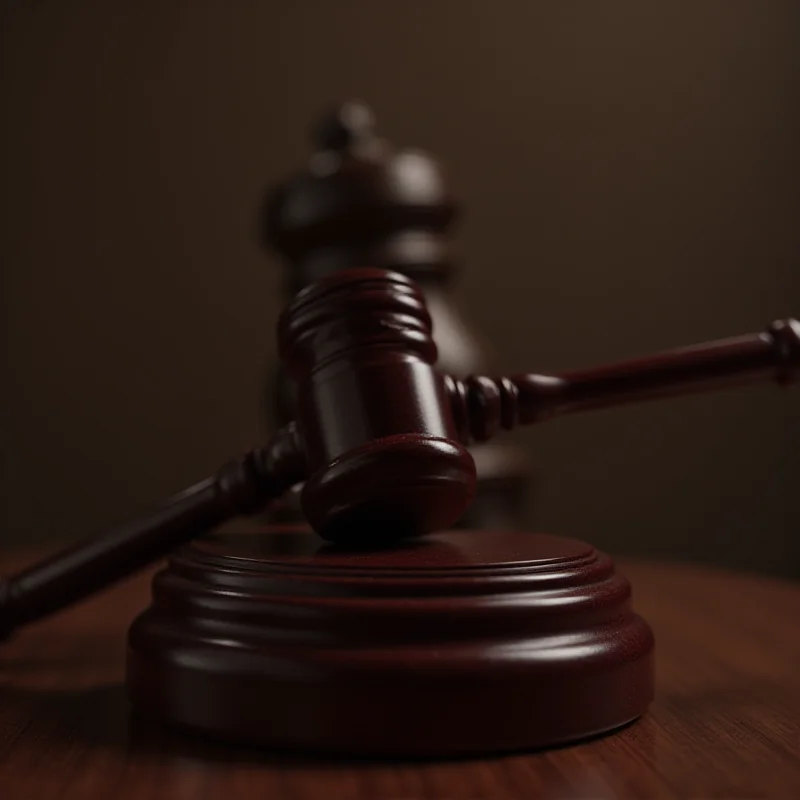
629 170
360 200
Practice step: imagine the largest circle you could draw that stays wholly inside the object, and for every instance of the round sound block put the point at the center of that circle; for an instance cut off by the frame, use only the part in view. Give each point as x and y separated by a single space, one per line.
461 642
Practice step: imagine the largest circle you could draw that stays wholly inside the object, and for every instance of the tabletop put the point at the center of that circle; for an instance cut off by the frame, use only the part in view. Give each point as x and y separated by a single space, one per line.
725 722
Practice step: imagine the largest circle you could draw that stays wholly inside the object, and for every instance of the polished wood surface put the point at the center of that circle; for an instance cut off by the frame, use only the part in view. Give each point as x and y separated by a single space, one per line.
241 486
725 722
370 652
382 448
482 405
380 430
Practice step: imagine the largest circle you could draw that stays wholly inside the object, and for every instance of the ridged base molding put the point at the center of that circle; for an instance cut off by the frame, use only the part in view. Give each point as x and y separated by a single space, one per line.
461 643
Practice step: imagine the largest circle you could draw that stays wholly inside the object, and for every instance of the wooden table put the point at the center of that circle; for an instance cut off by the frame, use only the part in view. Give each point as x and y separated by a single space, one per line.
725 724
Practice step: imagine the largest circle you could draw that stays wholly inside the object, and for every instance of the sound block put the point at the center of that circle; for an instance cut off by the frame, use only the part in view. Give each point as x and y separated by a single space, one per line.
458 643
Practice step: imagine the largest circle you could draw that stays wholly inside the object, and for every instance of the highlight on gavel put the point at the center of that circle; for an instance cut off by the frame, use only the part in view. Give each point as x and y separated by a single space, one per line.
379 437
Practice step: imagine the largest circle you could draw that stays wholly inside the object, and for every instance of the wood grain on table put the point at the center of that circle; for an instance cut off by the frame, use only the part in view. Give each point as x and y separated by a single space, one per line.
725 724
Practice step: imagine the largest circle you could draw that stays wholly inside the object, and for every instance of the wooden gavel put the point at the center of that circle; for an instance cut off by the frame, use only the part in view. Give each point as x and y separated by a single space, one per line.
379 434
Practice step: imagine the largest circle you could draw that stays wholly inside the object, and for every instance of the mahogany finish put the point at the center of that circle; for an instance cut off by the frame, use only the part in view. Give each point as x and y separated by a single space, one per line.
383 451
481 405
362 201
240 487
380 430
457 643
724 723
306 651
382 426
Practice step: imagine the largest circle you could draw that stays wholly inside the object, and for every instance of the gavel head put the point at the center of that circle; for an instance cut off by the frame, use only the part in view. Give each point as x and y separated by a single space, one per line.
380 442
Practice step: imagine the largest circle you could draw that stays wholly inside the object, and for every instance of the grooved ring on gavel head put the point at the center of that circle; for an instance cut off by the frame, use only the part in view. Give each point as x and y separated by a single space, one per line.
381 445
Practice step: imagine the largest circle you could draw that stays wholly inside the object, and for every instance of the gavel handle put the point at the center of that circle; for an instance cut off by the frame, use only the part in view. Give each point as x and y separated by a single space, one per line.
481 405
239 487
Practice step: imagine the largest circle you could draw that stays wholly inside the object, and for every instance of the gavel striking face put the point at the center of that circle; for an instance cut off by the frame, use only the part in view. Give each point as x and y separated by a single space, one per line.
382 449
380 433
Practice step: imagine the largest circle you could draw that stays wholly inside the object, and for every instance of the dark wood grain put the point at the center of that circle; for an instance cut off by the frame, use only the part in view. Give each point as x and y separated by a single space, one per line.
725 722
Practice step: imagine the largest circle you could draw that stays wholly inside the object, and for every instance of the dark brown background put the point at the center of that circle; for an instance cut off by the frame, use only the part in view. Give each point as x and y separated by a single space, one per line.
630 173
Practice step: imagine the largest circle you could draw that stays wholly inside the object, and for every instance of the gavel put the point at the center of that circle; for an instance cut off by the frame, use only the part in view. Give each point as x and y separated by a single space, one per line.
379 436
